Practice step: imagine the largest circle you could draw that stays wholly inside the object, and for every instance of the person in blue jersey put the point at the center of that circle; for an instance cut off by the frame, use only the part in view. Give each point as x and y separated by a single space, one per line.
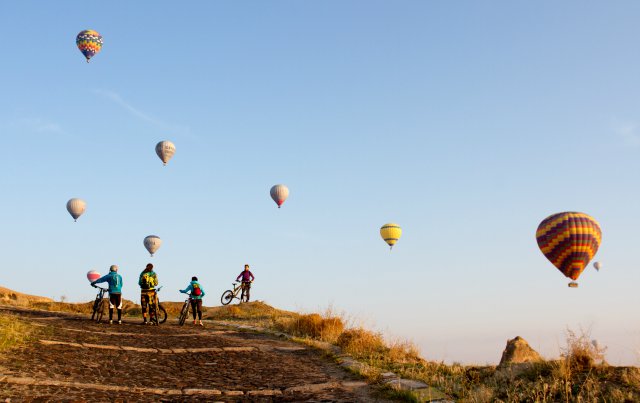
197 292
114 280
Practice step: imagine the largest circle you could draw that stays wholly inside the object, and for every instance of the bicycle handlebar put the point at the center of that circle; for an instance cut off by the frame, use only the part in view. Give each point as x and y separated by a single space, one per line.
102 288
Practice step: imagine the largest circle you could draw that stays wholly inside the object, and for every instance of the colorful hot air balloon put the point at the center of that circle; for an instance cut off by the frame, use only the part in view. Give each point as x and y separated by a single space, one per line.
152 243
391 233
165 150
569 240
76 208
89 42
279 194
597 266
93 275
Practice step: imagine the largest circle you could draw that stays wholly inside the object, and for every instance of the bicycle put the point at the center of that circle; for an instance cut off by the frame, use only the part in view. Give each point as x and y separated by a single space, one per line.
184 312
99 305
229 295
157 319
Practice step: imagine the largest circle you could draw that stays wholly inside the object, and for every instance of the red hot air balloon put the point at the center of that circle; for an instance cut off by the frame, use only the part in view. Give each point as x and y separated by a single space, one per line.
93 275
569 240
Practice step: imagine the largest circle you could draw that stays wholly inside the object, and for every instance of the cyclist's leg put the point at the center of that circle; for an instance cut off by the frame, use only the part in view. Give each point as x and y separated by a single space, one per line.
199 305
194 305
144 301
112 302
116 300
243 288
248 291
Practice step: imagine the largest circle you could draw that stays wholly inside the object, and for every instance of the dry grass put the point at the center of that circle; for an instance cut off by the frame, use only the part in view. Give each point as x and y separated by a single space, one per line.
13 332
580 375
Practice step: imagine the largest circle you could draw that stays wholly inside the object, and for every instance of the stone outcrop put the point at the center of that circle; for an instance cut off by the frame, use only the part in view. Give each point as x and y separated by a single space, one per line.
518 351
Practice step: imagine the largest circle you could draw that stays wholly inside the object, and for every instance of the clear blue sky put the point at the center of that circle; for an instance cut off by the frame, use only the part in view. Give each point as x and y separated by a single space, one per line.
467 123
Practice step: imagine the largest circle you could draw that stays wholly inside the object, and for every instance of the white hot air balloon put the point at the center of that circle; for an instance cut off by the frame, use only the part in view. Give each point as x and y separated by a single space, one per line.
597 266
279 194
152 243
165 150
76 208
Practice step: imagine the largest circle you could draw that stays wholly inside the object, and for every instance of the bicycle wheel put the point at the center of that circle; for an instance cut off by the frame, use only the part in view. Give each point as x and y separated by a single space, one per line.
162 314
183 314
94 311
102 306
227 297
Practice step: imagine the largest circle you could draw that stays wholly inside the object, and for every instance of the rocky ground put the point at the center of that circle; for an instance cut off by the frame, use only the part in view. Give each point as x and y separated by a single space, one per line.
74 359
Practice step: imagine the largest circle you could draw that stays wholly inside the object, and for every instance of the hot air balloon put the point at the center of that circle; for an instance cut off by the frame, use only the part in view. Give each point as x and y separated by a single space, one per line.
165 150
569 240
89 42
152 243
279 194
76 208
93 275
391 233
597 266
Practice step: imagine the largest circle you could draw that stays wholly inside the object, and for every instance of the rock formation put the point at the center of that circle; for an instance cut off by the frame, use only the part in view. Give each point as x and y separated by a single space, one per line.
518 351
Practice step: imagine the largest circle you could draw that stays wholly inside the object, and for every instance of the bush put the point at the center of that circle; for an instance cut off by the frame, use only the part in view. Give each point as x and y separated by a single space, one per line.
361 343
314 326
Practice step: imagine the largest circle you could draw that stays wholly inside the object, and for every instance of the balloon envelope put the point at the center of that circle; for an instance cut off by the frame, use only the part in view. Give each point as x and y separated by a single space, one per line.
391 232
279 194
165 150
76 207
89 42
597 266
569 240
152 243
93 275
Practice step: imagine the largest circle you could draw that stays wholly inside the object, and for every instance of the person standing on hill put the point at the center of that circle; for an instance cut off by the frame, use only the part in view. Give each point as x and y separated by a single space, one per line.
195 290
247 279
115 291
148 281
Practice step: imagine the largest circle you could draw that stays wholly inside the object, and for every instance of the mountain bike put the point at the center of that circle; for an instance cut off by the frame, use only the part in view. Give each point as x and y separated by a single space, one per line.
99 305
184 312
161 316
229 295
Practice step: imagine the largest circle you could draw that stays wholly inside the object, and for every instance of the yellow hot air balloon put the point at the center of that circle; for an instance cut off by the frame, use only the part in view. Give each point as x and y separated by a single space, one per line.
391 233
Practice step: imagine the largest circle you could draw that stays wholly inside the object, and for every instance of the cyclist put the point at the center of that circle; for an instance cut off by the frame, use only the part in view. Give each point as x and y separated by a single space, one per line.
148 281
247 279
197 293
115 291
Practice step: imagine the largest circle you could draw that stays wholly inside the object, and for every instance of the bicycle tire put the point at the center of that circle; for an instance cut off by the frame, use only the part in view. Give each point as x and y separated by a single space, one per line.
95 308
184 312
100 313
163 314
226 297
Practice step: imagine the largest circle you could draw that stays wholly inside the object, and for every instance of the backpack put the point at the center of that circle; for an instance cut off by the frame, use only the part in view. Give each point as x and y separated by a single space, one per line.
196 290
147 281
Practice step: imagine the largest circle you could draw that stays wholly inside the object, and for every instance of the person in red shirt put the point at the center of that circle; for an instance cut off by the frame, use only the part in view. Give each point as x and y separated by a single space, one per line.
247 279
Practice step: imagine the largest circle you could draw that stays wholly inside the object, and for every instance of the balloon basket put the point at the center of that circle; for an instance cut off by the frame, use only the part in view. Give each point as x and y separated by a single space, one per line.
572 285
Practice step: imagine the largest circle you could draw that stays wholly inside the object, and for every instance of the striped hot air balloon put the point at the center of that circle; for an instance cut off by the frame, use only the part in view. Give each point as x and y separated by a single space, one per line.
569 240
279 194
89 42
391 233
76 207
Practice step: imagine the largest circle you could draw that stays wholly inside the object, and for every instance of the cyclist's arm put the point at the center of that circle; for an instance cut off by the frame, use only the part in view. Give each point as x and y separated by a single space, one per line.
252 276
187 290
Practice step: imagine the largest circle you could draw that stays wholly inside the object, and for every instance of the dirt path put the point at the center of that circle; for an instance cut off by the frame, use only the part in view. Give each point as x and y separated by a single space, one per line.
75 359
